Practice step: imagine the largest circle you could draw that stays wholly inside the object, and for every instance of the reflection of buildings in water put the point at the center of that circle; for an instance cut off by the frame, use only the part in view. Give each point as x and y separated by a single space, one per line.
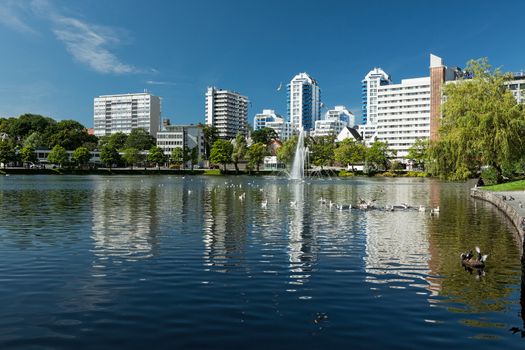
125 219
224 223
397 247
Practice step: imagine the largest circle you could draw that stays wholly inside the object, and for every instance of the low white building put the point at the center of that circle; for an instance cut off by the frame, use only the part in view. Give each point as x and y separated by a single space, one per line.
334 121
181 136
348 133
282 128
267 116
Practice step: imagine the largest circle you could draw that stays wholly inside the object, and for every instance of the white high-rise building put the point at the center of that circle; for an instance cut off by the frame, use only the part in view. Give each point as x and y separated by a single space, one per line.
227 111
125 112
370 85
403 114
304 102
334 121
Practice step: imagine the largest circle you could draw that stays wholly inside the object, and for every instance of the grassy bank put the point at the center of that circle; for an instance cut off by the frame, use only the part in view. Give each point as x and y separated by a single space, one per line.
507 186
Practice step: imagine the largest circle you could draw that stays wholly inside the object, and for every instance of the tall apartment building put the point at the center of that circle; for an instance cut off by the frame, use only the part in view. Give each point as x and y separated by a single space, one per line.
304 102
227 111
125 112
403 114
369 86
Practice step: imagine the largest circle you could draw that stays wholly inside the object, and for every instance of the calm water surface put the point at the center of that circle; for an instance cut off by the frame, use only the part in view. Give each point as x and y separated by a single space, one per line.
174 262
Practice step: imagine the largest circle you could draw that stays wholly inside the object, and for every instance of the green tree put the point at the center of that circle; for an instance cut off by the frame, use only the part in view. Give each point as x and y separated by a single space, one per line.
19 128
377 155
131 156
322 150
286 152
139 139
58 155
156 155
239 150
194 157
81 155
264 135
350 152
482 124
418 153
109 156
27 155
221 152
69 134
7 151
35 140
177 156
256 154
118 140
210 134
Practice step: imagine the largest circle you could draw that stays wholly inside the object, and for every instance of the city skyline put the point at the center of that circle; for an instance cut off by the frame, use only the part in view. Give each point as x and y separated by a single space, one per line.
62 54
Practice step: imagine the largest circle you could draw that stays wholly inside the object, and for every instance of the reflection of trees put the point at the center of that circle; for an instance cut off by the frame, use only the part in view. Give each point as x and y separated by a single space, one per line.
125 219
42 215
463 224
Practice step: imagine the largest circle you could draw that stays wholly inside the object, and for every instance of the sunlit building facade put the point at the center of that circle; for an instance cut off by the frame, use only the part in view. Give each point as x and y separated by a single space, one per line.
125 112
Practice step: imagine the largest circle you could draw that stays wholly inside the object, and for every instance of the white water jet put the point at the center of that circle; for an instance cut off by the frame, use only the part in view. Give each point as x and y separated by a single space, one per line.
300 158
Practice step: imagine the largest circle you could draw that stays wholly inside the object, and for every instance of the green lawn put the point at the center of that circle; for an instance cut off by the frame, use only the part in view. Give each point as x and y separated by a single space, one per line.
508 186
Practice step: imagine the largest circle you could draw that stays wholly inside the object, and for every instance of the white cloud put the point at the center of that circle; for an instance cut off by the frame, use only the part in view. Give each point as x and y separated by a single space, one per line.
156 82
13 16
88 44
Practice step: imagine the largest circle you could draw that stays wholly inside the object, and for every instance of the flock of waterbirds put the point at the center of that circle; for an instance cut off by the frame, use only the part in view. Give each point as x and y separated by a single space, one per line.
362 204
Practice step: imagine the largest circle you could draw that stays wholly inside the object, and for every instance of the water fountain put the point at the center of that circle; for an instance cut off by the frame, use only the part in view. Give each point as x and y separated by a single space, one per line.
300 158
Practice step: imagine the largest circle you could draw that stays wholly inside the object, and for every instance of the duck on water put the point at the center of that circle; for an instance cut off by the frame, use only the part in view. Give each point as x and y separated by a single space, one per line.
468 260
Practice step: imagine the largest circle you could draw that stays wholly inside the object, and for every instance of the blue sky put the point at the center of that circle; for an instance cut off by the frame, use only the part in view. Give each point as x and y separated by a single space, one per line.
58 55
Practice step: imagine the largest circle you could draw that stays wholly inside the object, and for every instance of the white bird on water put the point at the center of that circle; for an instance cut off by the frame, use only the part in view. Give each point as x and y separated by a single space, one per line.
264 204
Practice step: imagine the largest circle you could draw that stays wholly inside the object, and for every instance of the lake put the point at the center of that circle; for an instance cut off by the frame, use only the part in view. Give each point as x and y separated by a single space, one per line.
105 262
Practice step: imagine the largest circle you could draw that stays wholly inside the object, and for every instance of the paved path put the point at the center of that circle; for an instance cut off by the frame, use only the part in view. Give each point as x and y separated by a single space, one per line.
519 197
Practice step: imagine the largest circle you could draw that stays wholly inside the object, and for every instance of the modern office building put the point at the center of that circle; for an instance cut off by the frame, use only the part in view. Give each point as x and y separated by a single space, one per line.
181 136
369 85
304 102
227 111
267 116
335 120
125 112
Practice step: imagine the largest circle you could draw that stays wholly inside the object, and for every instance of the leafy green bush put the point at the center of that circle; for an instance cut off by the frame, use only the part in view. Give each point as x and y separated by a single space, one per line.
489 176
344 173
389 174
212 172
416 174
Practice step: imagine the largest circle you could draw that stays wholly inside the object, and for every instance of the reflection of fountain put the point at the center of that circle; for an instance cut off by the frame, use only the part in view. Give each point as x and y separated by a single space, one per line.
300 245
300 158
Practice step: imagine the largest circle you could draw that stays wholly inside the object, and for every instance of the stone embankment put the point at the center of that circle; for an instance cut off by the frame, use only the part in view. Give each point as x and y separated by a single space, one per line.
512 203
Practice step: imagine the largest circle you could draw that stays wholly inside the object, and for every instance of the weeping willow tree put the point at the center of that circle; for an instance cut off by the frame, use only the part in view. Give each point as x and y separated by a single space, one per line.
482 125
